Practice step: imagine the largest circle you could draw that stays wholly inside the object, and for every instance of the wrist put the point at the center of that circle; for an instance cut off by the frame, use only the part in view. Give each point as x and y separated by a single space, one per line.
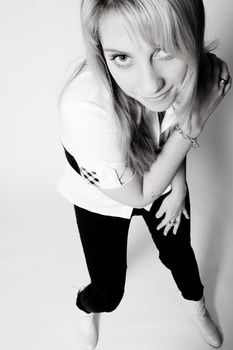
196 122
190 129
179 188
186 135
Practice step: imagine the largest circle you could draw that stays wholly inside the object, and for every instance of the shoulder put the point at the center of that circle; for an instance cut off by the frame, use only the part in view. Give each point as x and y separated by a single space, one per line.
82 106
83 88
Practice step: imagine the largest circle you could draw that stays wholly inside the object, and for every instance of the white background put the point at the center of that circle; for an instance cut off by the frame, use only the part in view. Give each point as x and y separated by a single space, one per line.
41 255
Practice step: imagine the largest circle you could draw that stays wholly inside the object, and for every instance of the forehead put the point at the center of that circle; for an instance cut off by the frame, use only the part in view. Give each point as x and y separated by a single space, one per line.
117 33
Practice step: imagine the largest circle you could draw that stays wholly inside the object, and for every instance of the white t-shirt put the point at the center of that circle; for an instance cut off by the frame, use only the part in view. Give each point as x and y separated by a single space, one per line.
91 136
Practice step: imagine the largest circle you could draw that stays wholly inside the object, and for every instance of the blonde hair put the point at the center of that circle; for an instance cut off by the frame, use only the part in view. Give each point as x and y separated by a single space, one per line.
178 27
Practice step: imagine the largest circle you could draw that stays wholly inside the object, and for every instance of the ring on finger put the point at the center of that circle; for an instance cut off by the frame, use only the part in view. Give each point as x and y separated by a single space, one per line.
223 81
172 223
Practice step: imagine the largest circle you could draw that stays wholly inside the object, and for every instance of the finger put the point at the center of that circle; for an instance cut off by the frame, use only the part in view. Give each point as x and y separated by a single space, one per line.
216 68
228 86
167 228
186 214
224 70
162 224
224 77
176 226
160 212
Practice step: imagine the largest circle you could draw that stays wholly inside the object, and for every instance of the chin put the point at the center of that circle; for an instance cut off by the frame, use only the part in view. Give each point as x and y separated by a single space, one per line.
159 107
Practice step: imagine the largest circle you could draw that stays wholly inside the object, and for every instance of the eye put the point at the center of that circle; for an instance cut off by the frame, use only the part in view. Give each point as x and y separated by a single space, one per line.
122 58
162 55
121 61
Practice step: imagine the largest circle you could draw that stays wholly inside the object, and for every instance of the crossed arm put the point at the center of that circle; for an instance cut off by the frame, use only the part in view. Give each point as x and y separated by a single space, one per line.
179 180
173 206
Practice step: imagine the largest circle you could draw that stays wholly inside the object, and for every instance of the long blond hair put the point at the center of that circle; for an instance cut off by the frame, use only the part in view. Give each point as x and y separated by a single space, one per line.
179 26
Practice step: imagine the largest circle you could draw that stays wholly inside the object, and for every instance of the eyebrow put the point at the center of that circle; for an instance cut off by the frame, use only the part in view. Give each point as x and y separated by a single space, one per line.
124 52
117 51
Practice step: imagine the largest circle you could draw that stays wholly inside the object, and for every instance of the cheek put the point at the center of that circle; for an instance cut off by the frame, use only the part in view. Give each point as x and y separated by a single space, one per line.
123 78
176 71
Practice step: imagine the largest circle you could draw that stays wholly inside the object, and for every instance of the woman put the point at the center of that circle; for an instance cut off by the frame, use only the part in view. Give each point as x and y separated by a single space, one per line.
129 116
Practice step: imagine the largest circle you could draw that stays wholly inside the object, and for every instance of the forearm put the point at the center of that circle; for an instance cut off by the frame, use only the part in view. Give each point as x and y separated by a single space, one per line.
142 191
178 183
166 166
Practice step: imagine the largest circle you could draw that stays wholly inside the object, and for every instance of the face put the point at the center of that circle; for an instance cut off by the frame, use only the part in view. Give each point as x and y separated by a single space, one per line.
147 74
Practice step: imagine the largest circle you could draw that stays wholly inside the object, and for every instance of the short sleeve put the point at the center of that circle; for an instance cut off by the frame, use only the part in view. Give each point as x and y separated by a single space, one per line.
91 137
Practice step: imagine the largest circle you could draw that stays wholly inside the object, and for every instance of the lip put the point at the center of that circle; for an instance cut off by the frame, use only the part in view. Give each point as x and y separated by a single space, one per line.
158 98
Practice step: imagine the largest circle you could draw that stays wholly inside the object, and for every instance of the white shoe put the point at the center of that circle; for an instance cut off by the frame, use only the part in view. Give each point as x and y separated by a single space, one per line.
87 327
204 322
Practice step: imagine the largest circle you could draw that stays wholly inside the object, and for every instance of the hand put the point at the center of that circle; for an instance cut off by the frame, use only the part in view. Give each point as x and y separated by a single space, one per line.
210 91
172 206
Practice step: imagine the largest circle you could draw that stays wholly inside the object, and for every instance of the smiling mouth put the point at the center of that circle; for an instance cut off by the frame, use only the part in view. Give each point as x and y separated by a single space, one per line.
159 98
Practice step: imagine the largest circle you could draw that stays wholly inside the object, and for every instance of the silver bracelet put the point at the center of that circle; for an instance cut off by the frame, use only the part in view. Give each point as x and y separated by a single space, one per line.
193 140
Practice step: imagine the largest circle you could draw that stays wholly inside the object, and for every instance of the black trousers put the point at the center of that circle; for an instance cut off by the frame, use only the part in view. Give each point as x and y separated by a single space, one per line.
104 241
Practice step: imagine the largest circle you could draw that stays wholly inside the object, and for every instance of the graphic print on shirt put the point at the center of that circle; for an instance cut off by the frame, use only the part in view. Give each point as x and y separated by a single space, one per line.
89 176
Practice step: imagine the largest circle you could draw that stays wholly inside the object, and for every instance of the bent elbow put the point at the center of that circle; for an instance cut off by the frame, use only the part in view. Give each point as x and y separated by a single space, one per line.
149 197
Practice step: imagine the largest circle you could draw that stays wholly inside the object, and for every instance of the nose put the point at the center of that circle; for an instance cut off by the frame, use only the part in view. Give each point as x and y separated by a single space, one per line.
151 82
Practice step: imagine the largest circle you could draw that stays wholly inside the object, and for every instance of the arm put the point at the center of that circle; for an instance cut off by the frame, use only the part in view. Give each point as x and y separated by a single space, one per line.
167 165
179 181
140 192
173 206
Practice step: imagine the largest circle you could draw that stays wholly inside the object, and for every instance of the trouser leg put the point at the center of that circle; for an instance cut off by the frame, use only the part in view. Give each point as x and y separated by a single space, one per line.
175 251
104 241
